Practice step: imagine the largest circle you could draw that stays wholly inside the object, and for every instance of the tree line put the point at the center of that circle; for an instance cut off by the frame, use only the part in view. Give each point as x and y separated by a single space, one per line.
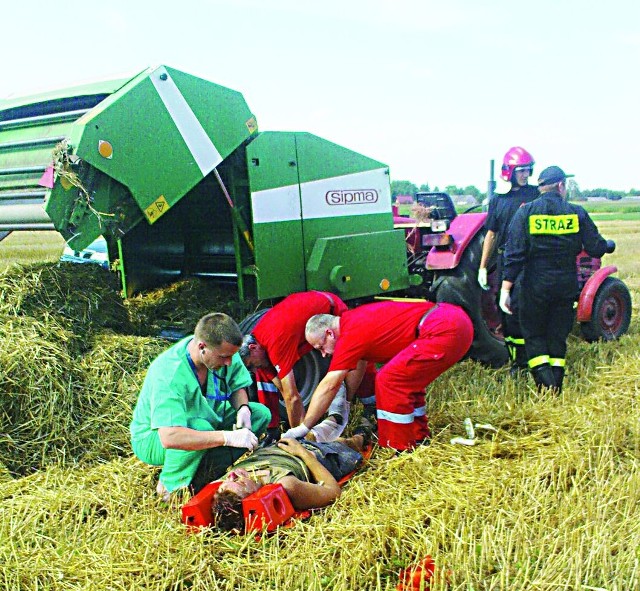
575 193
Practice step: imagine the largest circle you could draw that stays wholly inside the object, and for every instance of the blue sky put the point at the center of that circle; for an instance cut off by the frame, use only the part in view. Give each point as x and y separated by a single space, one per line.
435 89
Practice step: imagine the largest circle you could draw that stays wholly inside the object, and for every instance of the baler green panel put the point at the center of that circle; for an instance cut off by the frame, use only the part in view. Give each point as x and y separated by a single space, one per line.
277 223
321 159
30 128
342 192
359 265
343 200
347 220
158 136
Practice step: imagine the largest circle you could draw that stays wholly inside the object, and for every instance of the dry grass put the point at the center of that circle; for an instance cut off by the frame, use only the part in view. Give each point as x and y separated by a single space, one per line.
549 501
83 297
627 237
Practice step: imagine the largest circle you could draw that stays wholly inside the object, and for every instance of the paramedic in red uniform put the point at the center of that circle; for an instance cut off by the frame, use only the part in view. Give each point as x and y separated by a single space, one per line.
417 342
277 342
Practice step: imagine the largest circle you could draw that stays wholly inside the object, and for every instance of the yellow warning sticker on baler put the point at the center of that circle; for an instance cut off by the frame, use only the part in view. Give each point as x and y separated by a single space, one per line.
252 125
157 209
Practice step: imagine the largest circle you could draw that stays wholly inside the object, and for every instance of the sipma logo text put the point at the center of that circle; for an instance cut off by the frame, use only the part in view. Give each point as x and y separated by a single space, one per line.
351 196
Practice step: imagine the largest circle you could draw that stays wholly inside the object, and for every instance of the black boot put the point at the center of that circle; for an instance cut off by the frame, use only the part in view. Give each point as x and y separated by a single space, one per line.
519 365
543 377
521 357
558 374
511 349
516 372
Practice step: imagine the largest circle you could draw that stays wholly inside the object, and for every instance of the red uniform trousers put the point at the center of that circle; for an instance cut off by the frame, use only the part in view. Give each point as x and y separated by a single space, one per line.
444 337
268 394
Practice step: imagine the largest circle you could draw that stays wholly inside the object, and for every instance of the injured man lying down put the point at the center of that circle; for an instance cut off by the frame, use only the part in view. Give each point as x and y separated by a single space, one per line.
307 470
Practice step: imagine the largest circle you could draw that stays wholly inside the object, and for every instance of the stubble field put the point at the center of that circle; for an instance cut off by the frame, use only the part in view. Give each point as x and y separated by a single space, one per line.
548 501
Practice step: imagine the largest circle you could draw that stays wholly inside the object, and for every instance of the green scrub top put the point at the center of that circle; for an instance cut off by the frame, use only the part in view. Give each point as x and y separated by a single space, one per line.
171 395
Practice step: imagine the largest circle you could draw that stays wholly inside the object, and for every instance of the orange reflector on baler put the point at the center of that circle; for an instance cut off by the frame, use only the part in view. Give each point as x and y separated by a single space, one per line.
105 149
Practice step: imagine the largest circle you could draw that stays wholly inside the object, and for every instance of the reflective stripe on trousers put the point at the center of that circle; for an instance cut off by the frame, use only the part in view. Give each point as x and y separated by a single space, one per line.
268 395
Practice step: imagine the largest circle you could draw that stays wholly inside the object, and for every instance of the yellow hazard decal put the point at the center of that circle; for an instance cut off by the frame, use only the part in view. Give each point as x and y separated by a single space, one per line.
157 209
252 125
554 224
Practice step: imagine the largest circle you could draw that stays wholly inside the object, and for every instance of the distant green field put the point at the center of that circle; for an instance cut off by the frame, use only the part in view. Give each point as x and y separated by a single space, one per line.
615 216
613 210
30 247
621 206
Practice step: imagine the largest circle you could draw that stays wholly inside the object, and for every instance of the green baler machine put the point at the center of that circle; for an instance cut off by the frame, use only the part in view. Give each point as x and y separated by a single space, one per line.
172 170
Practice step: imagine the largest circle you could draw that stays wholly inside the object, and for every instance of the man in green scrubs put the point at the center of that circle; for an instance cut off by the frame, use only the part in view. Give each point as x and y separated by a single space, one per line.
193 416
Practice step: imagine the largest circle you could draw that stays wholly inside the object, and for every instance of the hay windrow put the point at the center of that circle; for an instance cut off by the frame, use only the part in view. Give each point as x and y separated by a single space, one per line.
56 408
38 381
558 510
70 370
556 513
113 373
85 296
180 305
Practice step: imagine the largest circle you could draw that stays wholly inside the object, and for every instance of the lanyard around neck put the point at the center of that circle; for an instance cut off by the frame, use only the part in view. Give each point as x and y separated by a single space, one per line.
217 395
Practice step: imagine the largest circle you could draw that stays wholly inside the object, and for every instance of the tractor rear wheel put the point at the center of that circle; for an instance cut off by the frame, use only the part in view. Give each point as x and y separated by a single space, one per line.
460 286
611 313
249 323
308 371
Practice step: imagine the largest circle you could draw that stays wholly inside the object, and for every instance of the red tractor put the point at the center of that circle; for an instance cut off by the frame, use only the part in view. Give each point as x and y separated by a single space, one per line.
445 248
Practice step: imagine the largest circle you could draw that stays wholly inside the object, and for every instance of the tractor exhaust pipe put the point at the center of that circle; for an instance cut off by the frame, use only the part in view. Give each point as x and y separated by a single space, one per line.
491 185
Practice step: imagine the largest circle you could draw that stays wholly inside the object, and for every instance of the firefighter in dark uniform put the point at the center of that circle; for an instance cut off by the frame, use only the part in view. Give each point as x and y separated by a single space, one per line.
517 167
545 237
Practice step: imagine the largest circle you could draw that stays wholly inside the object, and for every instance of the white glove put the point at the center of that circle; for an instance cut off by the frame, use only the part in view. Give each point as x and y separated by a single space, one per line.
296 432
243 418
482 278
505 301
240 438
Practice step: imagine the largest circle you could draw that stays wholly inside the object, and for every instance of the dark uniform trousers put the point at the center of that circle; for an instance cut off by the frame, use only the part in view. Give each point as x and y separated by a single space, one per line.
546 326
512 331
501 211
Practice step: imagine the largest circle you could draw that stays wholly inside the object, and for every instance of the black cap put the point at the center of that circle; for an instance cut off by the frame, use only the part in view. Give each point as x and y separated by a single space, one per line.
552 175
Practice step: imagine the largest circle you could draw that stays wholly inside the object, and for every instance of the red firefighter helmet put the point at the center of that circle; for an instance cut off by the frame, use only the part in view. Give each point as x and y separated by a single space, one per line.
515 158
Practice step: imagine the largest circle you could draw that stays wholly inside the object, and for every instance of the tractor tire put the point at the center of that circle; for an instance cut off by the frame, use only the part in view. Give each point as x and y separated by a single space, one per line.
460 286
611 314
249 323
308 371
